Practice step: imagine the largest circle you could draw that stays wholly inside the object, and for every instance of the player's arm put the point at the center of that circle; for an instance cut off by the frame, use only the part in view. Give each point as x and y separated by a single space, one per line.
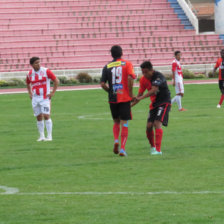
103 80
174 66
55 86
104 86
131 77
130 86
28 85
151 92
173 78
29 90
142 88
55 80
215 68
136 99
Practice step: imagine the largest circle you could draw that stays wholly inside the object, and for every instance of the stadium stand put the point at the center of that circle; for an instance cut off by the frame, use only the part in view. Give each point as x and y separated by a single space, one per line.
77 34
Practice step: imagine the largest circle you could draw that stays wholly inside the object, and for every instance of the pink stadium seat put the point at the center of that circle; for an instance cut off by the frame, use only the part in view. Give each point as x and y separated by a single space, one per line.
75 34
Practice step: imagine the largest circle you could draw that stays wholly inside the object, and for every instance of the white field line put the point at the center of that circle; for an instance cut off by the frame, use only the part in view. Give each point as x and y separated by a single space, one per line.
94 116
123 193
15 191
92 88
9 190
116 193
75 89
201 83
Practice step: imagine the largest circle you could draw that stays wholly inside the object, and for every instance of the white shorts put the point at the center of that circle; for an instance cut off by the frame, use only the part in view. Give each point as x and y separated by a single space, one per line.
41 106
179 86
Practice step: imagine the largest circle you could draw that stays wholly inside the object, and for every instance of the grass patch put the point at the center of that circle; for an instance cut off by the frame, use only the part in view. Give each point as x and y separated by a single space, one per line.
80 159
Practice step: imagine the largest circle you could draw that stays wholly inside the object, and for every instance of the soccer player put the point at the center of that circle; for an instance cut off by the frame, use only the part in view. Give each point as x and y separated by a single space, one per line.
220 65
178 80
159 93
38 86
119 74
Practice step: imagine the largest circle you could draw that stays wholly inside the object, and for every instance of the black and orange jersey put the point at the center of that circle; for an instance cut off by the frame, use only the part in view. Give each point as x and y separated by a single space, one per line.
162 96
116 74
220 66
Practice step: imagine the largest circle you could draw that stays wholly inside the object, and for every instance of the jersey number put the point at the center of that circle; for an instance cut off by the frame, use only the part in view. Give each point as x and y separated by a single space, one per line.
116 75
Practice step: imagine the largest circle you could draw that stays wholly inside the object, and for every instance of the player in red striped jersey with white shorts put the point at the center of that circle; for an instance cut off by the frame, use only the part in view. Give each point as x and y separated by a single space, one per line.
38 86
178 80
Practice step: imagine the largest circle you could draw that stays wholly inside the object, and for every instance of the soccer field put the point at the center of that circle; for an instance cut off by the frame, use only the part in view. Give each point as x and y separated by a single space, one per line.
76 179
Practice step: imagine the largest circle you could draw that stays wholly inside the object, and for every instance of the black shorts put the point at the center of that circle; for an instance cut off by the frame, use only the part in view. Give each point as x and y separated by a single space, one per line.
160 113
221 86
121 111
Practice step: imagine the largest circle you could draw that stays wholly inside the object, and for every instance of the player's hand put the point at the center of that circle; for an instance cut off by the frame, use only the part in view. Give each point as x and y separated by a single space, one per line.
139 98
133 98
31 96
173 82
50 95
134 101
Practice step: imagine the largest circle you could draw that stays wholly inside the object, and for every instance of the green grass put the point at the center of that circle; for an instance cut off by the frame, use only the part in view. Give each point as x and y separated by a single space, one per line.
80 159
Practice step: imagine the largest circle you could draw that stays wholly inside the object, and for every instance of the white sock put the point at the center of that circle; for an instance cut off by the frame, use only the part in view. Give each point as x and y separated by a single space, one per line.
40 127
179 102
49 125
174 100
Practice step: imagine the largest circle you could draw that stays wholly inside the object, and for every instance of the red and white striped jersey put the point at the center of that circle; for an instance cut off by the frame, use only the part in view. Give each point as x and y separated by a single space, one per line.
176 68
40 81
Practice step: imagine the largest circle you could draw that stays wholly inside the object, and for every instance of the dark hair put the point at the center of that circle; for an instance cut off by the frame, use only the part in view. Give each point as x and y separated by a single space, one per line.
33 59
176 53
116 51
222 50
147 64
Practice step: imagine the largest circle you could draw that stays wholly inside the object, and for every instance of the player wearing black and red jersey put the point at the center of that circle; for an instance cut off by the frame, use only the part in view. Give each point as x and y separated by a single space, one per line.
119 74
159 93
220 65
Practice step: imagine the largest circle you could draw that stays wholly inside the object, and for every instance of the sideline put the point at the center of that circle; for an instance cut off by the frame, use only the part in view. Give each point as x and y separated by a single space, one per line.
9 190
90 87
114 193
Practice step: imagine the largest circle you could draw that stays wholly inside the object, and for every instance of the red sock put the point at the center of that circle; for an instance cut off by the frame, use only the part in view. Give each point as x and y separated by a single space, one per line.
150 136
124 136
116 131
221 99
159 136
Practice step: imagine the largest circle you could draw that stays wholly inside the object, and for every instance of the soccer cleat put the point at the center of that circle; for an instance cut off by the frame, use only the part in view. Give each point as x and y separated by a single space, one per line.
218 106
182 109
116 148
156 153
42 138
153 149
48 139
122 152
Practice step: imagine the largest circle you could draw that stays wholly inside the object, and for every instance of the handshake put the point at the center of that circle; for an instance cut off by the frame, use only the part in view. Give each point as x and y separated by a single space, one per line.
135 100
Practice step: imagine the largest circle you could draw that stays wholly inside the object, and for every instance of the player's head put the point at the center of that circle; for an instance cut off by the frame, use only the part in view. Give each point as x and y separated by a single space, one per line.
116 51
222 53
177 55
147 69
35 63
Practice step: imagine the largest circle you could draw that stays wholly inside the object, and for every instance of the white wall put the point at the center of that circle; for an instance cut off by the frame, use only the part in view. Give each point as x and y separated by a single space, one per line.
219 16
